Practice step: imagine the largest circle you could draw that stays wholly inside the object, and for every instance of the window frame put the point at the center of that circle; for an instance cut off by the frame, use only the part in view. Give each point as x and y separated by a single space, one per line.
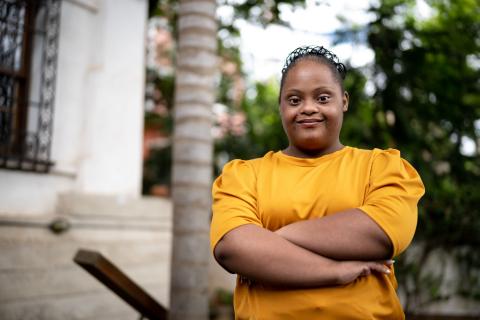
26 119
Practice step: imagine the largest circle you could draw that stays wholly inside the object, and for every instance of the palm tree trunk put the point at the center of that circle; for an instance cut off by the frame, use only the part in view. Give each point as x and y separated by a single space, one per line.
192 158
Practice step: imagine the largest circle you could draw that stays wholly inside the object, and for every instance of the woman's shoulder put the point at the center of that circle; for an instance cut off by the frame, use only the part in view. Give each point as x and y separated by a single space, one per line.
375 152
243 165
378 158
383 161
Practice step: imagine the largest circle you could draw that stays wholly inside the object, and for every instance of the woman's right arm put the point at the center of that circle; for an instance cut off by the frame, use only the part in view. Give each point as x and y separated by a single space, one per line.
264 256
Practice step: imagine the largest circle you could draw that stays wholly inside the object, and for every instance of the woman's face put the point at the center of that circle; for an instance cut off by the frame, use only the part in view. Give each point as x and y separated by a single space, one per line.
312 104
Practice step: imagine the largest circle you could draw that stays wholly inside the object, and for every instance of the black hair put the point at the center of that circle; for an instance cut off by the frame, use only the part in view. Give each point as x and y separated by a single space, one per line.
319 53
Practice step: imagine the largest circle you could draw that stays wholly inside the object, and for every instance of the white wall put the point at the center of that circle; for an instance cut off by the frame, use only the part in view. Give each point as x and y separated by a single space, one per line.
95 182
98 112
113 103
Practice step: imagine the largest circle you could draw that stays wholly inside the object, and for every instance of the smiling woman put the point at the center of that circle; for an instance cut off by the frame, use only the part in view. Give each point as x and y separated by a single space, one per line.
311 229
312 103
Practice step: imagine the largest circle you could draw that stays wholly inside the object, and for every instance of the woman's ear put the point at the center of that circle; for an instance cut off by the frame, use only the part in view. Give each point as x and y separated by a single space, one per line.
345 99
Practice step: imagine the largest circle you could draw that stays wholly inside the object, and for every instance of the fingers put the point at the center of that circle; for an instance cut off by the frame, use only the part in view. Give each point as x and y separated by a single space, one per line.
390 262
382 266
379 267
367 272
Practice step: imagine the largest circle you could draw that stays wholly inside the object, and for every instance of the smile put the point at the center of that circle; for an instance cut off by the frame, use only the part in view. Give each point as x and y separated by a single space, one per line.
309 121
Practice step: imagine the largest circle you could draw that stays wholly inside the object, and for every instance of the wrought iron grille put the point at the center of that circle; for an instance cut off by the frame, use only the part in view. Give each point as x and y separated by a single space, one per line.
28 59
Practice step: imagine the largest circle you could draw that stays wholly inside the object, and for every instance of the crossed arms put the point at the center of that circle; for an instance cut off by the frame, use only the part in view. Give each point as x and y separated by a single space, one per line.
331 250
327 251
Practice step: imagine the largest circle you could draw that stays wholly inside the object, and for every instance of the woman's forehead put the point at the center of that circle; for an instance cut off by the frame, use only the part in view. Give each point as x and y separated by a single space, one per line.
309 70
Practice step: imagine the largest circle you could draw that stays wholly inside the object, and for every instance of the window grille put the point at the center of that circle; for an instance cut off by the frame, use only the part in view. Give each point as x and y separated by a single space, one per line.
28 58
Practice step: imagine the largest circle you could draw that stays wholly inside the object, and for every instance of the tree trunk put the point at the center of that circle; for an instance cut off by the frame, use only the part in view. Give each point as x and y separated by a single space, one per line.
192 158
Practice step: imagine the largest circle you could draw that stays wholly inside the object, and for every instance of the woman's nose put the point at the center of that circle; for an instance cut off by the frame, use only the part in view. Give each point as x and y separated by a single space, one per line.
309 107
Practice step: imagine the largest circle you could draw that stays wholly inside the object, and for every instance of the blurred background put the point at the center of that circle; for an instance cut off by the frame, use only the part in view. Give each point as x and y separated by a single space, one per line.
115 116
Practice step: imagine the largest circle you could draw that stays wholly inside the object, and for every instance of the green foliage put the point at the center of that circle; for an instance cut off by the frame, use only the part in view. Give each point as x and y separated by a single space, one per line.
159 158
427 100
357 123
154 172
433 92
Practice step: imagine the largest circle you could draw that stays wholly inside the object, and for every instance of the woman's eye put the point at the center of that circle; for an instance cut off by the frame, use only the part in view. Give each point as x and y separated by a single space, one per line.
323 98
293 101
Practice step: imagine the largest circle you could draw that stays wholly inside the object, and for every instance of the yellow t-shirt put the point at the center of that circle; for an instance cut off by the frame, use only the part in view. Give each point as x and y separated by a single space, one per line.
277 190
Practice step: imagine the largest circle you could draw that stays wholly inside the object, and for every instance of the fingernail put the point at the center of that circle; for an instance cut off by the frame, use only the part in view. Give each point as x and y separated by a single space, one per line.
391 261
387 271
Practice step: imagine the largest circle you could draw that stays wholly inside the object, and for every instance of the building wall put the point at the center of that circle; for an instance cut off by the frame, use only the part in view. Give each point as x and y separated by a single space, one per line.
98 116
39 280
95 183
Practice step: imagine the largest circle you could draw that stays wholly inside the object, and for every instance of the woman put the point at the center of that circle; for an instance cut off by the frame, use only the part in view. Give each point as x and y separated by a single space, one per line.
311 229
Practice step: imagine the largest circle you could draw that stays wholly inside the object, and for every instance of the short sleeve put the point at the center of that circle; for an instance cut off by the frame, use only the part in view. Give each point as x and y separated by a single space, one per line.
234 200
392 197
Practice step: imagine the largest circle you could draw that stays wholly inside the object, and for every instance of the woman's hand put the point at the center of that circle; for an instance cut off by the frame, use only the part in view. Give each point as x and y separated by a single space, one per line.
349 271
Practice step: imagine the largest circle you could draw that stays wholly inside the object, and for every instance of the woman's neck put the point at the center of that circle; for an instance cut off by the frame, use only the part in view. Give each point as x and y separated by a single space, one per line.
311 153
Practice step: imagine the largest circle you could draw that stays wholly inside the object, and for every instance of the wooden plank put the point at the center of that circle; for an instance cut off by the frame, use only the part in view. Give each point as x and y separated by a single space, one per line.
119 283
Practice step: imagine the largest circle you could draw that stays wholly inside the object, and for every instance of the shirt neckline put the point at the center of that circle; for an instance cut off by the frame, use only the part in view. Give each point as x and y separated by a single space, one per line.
310 162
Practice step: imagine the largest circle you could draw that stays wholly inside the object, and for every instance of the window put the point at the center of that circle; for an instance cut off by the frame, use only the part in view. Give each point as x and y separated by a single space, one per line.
28 56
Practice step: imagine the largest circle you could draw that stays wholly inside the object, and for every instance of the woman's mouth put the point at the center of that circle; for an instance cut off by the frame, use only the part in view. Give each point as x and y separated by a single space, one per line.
309 122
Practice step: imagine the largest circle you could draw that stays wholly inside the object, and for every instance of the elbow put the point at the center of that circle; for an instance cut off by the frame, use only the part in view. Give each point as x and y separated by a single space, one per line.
386 246
223 255
234 250
382 246
220 253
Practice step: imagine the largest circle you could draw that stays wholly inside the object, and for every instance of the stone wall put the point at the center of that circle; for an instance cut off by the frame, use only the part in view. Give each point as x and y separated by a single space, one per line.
39 280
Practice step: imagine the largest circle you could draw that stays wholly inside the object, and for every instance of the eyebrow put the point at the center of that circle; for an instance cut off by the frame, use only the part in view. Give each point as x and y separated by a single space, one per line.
321 88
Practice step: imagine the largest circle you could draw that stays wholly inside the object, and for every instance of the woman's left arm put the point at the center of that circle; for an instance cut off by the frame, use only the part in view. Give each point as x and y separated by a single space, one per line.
380 228
346 235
